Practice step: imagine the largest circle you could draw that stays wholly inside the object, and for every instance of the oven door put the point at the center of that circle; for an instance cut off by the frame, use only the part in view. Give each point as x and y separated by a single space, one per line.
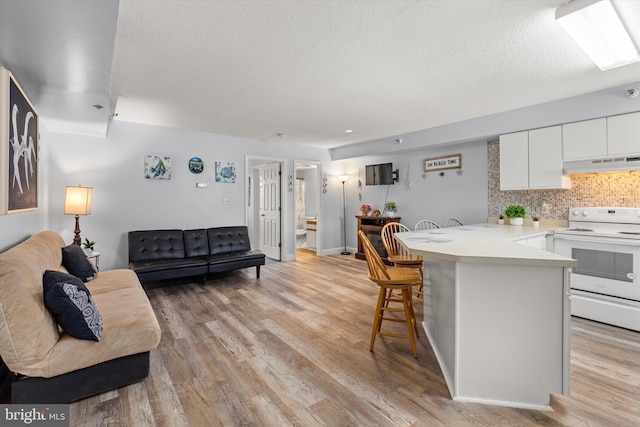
606 266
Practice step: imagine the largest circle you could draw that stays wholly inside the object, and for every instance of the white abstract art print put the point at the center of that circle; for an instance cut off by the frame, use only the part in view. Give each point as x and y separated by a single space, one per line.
156 167
225 172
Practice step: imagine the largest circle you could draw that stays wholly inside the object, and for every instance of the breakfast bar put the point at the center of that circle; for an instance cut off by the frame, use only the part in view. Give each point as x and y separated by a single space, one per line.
496 312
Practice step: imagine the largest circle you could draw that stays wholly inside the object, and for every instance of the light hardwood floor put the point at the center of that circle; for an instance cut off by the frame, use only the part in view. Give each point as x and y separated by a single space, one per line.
292 349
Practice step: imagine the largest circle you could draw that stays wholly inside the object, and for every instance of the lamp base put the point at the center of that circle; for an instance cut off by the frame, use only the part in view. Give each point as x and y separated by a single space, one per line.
345 253
76 239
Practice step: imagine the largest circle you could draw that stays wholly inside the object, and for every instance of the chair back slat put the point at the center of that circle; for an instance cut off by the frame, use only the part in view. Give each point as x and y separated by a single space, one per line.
377 269
391 244
426 224
452 222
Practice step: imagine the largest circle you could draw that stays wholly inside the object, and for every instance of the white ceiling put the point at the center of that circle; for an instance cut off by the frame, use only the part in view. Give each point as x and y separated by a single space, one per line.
305 69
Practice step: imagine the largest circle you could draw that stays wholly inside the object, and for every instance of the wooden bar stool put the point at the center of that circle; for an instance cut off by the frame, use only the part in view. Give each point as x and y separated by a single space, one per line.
389 280
398 255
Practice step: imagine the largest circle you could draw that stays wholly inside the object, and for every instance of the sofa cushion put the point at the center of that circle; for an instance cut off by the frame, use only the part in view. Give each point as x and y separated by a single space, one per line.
166 264
235 256
130 326
155 244
28 331
196 242
228 239
70 301
75 261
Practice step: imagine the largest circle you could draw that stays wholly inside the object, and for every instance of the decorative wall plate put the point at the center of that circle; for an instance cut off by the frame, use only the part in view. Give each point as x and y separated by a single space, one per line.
196 165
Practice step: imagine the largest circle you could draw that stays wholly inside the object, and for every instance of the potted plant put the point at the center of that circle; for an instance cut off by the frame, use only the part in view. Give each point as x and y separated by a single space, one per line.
501 219
390 208
516 214
365 209
88 246
535 220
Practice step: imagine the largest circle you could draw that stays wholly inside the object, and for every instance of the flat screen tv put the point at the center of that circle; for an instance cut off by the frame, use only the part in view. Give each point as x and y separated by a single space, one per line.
381 174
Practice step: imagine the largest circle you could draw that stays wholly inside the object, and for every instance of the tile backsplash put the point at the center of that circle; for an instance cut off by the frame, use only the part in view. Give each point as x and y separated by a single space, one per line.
614 189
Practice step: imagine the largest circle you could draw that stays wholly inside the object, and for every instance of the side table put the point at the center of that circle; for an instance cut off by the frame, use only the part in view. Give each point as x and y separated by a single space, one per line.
94 258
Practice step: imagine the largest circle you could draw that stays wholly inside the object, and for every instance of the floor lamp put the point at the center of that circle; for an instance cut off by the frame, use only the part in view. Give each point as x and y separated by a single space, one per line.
344 179
77 202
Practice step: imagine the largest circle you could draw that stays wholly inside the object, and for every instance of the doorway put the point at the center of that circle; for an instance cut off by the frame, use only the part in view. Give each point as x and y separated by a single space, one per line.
307 190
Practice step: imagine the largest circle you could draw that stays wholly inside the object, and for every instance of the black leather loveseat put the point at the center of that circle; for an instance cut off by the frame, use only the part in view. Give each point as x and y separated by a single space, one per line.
170 254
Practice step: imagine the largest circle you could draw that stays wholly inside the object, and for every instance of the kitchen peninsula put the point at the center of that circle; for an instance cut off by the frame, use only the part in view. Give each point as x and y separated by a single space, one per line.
496 312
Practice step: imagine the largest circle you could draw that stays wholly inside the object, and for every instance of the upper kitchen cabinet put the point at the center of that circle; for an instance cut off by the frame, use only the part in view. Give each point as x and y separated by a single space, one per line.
623 134
585 140
545 159
532 160
514 161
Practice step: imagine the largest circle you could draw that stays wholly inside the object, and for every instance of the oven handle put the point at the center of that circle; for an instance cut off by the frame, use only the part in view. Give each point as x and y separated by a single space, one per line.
605 240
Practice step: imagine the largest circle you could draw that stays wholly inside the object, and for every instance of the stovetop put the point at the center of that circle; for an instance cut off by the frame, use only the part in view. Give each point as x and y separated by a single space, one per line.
604 222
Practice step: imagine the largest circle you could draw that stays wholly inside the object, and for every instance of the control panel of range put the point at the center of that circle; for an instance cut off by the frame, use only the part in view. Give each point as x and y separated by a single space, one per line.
605 214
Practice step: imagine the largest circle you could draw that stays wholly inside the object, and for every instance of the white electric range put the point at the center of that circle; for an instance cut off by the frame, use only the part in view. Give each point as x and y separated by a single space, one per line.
605 286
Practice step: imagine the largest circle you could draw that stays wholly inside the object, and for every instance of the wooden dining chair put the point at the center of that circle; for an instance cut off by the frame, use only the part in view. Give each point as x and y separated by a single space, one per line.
390 279
452 222
425 224
398 254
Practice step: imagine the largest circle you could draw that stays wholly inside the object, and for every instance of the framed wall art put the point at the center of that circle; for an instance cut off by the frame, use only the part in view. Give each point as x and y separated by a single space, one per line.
225 172
453 161
19 139
156 167
196 165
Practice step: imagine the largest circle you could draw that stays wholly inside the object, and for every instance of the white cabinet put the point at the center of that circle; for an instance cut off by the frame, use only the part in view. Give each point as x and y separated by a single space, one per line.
545 159
514 161
585 140
623 134
532 159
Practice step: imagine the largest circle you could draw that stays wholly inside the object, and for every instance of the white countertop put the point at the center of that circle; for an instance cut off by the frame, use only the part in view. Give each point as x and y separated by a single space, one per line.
485 244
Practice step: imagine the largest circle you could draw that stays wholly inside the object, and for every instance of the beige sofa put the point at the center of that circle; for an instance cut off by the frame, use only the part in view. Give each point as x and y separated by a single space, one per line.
49 365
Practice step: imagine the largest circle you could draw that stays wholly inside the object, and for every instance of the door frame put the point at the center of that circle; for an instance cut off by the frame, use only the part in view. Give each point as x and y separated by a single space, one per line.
320 223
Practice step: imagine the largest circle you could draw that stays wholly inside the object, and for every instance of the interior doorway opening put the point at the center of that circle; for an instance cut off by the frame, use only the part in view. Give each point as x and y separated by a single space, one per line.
307 190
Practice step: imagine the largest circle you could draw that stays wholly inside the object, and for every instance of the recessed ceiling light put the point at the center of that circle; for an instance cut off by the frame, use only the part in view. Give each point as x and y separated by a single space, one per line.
348 131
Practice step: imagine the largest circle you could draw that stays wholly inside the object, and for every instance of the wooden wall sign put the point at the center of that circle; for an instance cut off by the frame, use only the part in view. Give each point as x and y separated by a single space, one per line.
441 163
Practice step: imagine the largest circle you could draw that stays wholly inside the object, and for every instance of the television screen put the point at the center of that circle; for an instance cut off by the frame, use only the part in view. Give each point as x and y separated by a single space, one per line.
381 174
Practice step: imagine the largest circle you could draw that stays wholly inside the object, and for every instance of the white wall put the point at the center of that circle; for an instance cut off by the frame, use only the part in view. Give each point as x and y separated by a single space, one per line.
123 200
463 197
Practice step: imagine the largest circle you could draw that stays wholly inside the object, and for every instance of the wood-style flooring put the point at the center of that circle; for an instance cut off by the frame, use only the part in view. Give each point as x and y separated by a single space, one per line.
292 349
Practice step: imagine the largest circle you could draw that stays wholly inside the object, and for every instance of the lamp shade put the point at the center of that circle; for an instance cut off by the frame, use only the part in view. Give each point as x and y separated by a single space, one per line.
343 178
78 201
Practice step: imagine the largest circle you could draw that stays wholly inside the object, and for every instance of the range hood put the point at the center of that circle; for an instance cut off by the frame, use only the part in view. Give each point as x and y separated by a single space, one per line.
609 164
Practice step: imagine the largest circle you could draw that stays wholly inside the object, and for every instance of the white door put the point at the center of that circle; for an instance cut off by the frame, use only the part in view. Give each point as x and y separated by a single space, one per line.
269 210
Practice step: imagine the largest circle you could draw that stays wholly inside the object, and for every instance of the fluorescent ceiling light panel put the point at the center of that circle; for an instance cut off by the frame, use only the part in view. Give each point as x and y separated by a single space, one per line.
598 30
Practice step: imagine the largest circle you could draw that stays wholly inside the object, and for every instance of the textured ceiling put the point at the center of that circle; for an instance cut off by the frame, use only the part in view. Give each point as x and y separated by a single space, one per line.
312 69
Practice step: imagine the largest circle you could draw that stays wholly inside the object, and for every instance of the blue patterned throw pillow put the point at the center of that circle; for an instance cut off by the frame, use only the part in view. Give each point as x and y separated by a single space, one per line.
70 302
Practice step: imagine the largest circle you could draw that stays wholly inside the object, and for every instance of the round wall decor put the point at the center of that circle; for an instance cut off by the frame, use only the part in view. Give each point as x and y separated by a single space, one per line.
196 165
